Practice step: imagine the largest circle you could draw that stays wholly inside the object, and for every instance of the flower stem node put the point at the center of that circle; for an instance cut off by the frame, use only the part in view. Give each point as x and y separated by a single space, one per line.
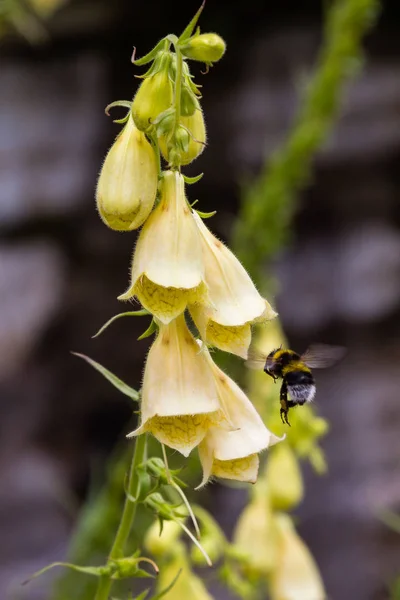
234 302
155 94
128 181
206 47
179 397
167 268
232 453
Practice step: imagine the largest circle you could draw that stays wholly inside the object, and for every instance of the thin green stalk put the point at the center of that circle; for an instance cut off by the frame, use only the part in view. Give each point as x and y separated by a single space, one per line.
178 85
127 518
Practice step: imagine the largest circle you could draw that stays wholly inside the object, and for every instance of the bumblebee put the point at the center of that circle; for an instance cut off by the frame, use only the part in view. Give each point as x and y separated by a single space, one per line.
295 371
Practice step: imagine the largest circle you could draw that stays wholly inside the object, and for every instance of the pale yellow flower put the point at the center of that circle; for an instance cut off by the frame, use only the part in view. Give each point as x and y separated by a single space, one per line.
284 478
232 453
296 576
127 185
188 586
256 534
234 302
179 397
168 268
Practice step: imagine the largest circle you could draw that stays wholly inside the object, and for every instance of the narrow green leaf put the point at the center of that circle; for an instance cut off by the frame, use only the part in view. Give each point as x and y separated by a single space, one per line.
143 595
118 383
206 215
149 56
149 331
187 32
135 313
191 180
168 588
96 571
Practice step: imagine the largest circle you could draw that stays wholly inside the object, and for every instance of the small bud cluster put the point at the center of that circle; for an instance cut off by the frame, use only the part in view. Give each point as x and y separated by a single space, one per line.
179 266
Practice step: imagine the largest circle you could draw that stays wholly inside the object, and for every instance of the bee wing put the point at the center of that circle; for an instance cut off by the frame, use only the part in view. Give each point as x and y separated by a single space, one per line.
320 356
256 359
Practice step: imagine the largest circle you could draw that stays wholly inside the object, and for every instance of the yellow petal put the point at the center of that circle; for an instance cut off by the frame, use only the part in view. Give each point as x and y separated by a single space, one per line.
296 576
188 586
127 185
233 298
168 268
179 397
229 338
246 436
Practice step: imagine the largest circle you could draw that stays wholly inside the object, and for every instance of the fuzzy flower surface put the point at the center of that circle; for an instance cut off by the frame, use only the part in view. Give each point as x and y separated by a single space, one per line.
127 185
234 303
168 267
179 397
232 453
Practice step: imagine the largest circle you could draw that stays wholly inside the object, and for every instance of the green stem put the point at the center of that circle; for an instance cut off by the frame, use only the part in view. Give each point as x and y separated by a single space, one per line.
127 518
178 85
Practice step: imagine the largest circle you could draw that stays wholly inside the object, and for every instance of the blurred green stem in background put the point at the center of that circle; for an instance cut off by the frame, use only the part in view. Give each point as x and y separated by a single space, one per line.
269 203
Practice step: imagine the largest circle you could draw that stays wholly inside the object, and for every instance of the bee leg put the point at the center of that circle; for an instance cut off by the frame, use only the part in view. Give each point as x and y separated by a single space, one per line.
284 404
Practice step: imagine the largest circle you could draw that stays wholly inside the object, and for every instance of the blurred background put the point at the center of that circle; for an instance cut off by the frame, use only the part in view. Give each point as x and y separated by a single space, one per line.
61 269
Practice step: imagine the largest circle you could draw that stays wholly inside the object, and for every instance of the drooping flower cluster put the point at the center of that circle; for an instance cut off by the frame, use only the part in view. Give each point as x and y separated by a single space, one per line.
179 266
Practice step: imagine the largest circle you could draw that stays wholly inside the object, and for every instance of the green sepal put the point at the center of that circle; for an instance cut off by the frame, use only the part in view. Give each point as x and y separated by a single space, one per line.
124 568
123 103
135 313
145 487
206 215
190 180
152 328
118 383
95 571
157 467
149 56
187 32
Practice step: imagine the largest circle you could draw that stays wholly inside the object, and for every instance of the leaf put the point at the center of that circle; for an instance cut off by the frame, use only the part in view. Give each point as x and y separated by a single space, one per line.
149 56
206 215
191 180
125 104
96 571
187 32
118 383
149 331
135 313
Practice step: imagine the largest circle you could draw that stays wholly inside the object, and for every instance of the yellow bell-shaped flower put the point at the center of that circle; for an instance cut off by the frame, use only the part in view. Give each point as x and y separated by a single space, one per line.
168 268
179 397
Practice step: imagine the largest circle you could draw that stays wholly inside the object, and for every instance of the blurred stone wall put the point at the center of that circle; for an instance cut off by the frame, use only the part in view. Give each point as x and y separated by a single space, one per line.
61 269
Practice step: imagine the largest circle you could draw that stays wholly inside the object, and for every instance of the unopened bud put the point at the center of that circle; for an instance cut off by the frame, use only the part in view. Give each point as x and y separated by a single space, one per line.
194 127
206 47
160 543
155 94
284 477
189 101
127 185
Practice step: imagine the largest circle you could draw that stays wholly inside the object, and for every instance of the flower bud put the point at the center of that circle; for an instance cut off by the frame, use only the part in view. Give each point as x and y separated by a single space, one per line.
206 47
255 535
284 478
159 543
127 185
196 129
155 94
